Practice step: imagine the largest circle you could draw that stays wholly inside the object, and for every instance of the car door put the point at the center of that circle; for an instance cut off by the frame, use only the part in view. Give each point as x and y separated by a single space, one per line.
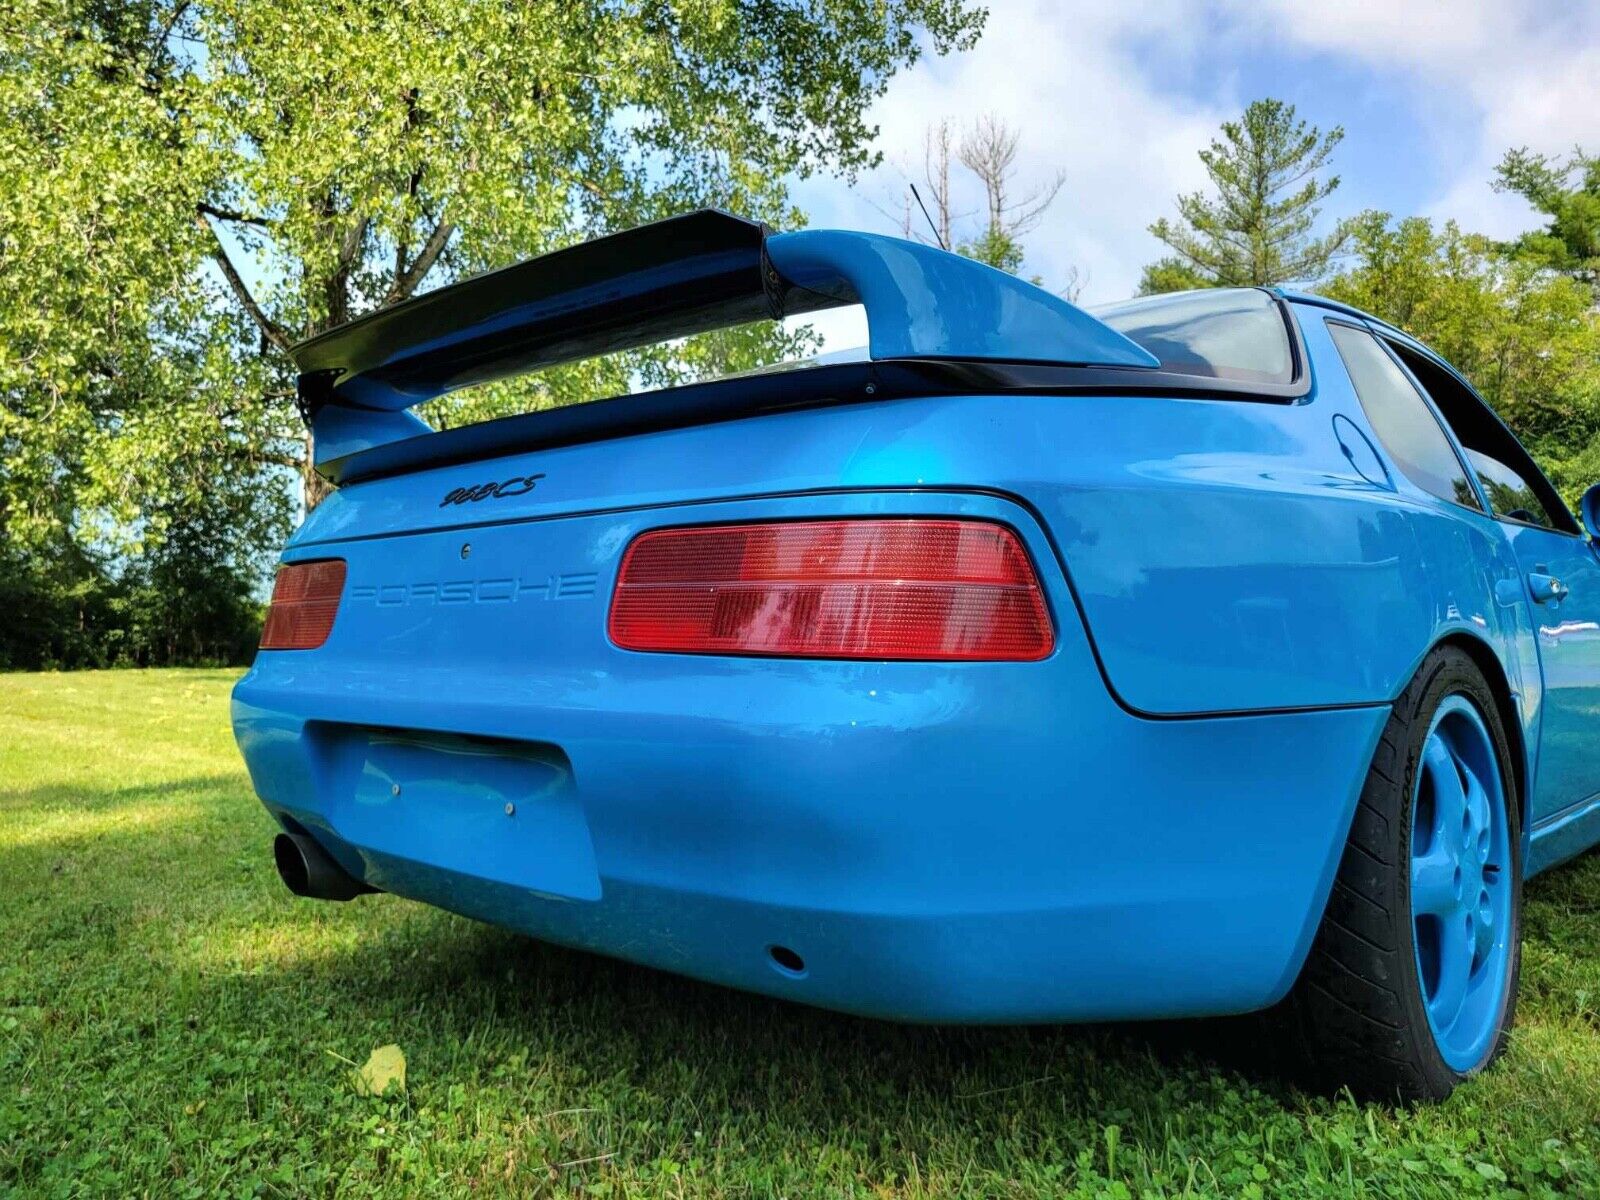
1561 573
1563 578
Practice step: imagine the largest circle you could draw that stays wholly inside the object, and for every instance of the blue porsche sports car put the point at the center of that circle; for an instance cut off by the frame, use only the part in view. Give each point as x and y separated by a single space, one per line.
1213 652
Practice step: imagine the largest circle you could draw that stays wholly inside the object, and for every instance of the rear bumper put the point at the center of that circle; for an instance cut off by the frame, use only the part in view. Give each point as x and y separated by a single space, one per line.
965 843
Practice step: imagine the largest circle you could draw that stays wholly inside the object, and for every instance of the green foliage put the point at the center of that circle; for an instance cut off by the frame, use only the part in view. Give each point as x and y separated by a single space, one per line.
189 186
96 253
1568 192
1526 337
173 1023
188 599
1257 228
1171 275
58 606
995 247
231 175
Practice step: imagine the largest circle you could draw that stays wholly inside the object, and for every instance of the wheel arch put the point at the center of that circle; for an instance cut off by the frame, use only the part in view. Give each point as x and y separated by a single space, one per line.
1494 673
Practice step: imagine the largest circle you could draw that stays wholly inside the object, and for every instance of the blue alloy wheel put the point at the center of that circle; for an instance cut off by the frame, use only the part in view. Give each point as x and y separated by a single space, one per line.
1460 884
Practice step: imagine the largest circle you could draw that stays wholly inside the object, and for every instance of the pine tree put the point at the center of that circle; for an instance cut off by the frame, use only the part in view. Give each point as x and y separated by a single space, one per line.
1568 192
1257 228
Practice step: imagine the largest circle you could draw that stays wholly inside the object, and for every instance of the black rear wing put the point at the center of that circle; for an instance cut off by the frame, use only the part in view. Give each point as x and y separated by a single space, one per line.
703 271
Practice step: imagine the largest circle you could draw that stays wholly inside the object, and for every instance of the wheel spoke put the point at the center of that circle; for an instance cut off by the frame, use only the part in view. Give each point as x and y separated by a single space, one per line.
1477 798
1456 948
1433 883
1483 928
1449 798
1478 806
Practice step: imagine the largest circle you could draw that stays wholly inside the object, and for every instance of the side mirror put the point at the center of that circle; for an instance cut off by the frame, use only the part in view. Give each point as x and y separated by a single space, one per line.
1589 509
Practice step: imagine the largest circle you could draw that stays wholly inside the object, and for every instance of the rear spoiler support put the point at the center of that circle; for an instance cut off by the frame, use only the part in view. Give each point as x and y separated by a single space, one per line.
690 274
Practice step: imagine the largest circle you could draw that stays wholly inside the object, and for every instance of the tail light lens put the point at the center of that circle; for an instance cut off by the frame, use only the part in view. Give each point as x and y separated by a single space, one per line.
305 599
895 589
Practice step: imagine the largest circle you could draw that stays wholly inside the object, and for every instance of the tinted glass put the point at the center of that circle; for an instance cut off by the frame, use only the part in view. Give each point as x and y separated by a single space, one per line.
1223 333
1401 418
1511 479
1509 493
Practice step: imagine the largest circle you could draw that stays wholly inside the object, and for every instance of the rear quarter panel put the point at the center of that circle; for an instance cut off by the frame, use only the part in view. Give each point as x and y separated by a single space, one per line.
1238 557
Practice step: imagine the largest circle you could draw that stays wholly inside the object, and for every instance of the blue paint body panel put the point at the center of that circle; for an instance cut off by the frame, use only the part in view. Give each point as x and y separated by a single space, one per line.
1144 824
938 841
923 303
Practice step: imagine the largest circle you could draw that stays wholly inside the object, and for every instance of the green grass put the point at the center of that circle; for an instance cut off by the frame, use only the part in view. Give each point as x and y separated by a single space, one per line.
173 1023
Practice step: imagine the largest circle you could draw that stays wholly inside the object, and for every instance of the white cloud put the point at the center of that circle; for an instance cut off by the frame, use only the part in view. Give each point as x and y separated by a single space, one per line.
1108 94
1078 81
1527 72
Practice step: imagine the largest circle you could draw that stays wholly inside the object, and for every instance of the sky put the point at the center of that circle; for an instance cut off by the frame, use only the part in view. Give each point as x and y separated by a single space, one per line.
1120 97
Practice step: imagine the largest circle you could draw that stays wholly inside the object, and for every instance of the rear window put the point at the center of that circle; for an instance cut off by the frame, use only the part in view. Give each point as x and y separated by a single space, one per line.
1226 333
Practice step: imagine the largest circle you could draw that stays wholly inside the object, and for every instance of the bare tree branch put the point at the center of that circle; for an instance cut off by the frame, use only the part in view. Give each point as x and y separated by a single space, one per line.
1026 214
588 185
901 220
936 173
270 329
989 151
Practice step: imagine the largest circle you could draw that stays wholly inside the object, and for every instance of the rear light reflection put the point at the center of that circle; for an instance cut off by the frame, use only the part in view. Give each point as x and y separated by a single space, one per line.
305 599
888 589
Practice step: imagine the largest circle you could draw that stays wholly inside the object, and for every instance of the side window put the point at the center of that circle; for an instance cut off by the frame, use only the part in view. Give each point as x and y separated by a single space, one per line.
1401 418
1510 495
1516 488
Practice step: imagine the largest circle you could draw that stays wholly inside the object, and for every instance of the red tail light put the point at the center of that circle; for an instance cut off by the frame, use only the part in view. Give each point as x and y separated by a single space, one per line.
305 598
901 588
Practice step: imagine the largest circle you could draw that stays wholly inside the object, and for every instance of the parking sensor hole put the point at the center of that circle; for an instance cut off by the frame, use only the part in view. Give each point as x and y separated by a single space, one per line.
786 960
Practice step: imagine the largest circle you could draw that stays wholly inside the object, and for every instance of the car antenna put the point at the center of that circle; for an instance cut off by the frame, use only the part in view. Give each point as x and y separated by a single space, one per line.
938 241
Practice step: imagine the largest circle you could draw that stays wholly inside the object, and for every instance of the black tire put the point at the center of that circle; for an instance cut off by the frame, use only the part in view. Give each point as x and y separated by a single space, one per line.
1358 1007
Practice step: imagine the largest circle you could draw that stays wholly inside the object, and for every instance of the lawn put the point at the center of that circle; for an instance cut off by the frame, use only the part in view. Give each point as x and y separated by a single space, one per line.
172 1022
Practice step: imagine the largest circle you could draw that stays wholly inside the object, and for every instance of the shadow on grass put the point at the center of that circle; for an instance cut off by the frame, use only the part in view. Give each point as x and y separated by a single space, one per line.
76 864
464 978
57 797
467 977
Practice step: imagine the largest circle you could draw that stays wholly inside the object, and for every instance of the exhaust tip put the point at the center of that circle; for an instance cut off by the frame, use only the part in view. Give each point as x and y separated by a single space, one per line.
291 864
306 870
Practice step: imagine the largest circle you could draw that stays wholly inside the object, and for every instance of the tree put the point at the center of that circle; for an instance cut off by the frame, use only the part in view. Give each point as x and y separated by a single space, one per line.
1568 192
1257 228
189 600
1526 337
988 150
190 186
